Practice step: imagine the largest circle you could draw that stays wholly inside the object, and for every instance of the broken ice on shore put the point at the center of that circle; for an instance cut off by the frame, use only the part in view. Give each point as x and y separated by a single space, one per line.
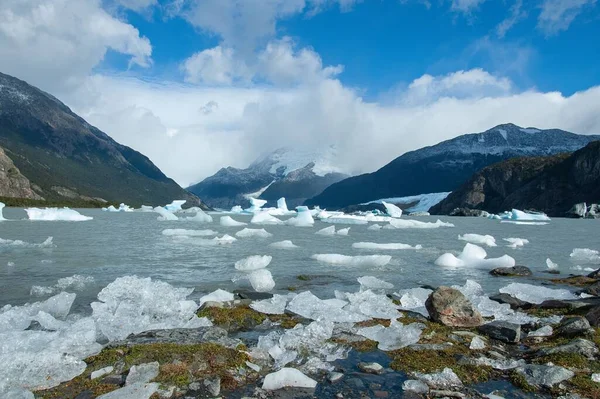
474 256
56 214
75 282
536 294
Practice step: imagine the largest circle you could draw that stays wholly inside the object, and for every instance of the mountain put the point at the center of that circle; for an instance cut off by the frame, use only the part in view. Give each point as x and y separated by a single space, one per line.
550 184
51 155
286 172
445 166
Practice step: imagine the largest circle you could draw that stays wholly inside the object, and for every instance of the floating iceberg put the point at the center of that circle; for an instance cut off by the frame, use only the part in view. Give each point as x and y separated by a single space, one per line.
175 206
224 240
188 233
246 233
536 294
389 246
236 209
394 337
474 256
255 205
478 239
164 214
265 218
374 227
344 260
122 208
345 219
343 232
217 296
286 244
514 242
415 224
254 262
524 223
585 255
551 265
6 244
282 205
516 214
327 231
202 242
261 280
303 219
392 210
200 217
55 214
287 377
228 221
2 205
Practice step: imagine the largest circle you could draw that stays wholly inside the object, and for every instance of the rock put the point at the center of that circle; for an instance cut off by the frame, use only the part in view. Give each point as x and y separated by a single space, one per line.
334 376
85 395
515 303
102 372
166 393
252 295
450 307
142 373
594 274
477 344
371 368
468 212
577 211
213 385
415 386
502 331
593 316
593 289
443 380
437 393
515 271
578 346
194 386
545 331
573 326
137 390
114 379
544 376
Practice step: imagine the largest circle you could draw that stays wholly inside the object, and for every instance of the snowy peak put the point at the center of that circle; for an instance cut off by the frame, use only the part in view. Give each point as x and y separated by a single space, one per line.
284 160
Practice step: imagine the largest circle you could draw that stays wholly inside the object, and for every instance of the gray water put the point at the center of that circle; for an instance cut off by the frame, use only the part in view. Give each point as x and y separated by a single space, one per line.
118 244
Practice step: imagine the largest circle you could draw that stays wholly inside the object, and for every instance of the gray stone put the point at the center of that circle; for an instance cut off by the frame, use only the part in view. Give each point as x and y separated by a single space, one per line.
213 385
515 303
502 331
255 296
450 307
578 346
544 376
573 326
371 368
142 373
593 316
194 386
593 289
415 386
515 271
114 379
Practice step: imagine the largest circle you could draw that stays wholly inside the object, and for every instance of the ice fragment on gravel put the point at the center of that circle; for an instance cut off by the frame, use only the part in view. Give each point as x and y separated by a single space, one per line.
227 221
142 373
102 372
474 256
377 306
478 239
134 391
443 380
218 295
477 344
247 233
344 260
395 336
389 246
253 262
262 280
536 294
415 386
545 331
311 307
275 305
287 377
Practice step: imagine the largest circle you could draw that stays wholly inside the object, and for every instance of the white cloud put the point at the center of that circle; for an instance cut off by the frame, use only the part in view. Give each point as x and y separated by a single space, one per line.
136 5
558 15
217 65
516 14
465 6
55 42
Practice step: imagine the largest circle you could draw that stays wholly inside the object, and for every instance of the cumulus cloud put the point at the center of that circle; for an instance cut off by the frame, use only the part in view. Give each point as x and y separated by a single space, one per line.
558 15
52 43
216 65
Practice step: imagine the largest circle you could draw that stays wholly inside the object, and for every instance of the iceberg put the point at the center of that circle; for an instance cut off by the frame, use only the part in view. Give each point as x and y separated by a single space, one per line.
56 214
585 255
255 205
390 246
164 214
374 227
345 219
415 224
478 239
224 240
188 233
474 256
516 214
200 217
536 294
236 209
246 233
282 205
287 377
175 206
122 208
392 210
217 296
254 262
303 219
327 231
394 337
551 265
343 232
261 280
344 260
286 244
227 221
265 218
514 242
2 205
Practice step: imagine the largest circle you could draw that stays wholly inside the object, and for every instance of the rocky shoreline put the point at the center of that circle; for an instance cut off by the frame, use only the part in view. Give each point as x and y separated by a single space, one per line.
458 353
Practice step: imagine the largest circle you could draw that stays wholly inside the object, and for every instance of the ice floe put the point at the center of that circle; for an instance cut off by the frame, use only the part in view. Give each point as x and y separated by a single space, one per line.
303 218
188 233
200 217
345 219
536 294
75 282
415 224
418 203
330 231
479 239
345 260
253 262
551 265
56 214
247 233
228 221
518 215
585 255
164 214
255 205
282 205
514 242
309 306
388 246
265 218
343 232
392 209
474 256
285 244
261 280
6 244
374 227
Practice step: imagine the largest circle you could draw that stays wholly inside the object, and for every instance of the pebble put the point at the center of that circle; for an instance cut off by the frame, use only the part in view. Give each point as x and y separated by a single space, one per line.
371 368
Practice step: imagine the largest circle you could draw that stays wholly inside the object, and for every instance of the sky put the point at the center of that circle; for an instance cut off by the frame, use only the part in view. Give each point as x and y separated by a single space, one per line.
197 85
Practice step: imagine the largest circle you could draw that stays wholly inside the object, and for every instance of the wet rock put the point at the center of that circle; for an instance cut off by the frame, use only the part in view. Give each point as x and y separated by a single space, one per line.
544 376
578 346
213 385
445 379
593 289
593 316
515 271
515 303
573 326
371 368
335 376
450 307
114 379
468 212
502 331
415 386
252 295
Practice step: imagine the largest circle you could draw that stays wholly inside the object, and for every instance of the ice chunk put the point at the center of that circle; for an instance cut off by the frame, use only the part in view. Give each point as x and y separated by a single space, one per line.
374 227
226 239
255 204
327 231
368 303
75 282
122 208
287 377
415 224
303 219
474 256
392 210
516 214
343 232
217 296
443 380
262 280
16 244
214 242
346 219
164 214
551 265
514 242
236 209
264 218
175 206
364 260
389 246
585 255
254 262
55 214
133 391
311 307
394 337
188 233
247 233
142 373
131 305
370 282
414 299
286 244
200 217
2 205
228 221
275 305
282 205
536 294
478 239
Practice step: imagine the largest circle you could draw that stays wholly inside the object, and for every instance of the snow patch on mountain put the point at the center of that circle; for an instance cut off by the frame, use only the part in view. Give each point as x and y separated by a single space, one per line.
423 201
285 160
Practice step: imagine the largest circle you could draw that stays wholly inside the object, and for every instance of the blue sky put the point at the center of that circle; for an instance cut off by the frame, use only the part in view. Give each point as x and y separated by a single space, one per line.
197 85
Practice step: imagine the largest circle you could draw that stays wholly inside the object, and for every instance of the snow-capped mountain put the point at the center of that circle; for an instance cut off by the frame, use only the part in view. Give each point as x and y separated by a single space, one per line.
295 174
445 166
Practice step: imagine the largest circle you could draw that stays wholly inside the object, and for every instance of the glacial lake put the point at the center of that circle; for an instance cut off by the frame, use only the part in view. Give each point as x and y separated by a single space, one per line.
113 245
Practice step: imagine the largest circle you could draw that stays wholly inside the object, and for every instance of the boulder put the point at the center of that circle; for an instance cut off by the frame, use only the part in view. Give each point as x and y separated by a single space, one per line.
573 326
255 296
577 211
450 307
544 376
502 331
578 346
593 316
515 271
515 303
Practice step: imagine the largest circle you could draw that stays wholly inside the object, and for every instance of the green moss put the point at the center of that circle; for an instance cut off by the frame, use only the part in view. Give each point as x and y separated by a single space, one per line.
235 318
577 281
303 277
366 345
292 288
374 322
520 382
285 320
583 385
537 312
568 360
177 374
